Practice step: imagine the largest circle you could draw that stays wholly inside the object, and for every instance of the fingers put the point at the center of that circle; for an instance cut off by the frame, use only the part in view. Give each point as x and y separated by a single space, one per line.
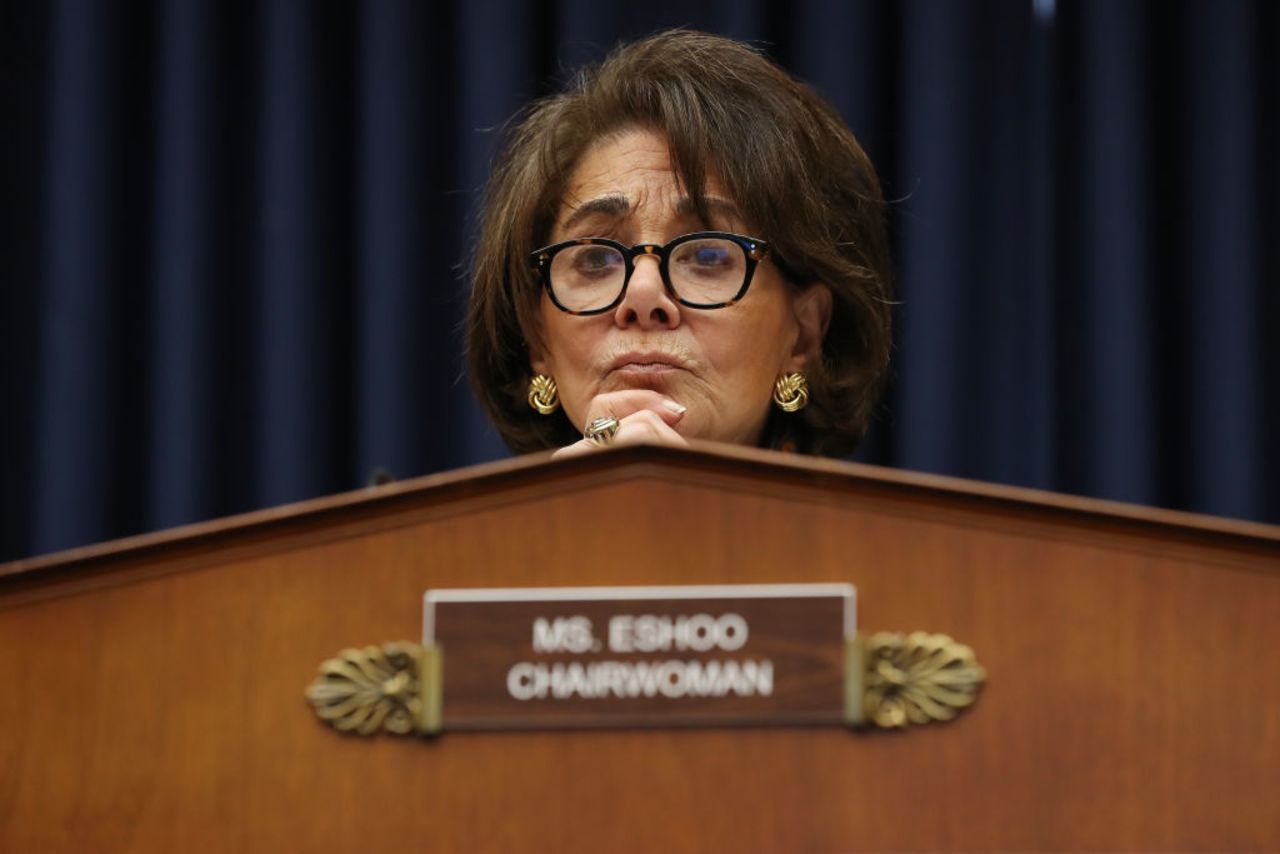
622 404
646 427
644 417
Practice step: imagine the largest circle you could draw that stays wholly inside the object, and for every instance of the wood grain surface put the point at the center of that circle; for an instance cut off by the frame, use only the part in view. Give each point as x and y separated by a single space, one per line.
154 693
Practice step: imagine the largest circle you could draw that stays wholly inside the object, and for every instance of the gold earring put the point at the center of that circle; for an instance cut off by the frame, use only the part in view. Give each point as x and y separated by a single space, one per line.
791 392
543 395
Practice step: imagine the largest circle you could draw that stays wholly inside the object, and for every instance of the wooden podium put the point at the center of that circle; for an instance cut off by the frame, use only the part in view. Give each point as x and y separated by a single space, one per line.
153 693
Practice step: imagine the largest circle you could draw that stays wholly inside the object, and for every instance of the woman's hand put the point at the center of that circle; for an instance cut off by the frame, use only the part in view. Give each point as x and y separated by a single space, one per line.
643 417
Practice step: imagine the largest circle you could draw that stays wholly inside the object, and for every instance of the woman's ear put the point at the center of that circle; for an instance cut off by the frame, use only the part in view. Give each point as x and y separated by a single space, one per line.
812 308
538 361
535 345
539 365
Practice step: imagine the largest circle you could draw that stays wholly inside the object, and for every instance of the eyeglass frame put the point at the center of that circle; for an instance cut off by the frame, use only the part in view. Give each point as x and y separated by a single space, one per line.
753 249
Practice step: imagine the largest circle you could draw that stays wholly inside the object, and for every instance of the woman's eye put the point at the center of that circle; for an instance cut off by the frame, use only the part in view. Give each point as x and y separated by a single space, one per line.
711 255
596 259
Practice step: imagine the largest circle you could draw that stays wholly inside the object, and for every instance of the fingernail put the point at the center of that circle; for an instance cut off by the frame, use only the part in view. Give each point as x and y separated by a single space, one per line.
674 407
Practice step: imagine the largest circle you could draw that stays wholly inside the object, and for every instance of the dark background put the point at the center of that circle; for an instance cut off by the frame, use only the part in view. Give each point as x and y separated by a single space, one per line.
232 239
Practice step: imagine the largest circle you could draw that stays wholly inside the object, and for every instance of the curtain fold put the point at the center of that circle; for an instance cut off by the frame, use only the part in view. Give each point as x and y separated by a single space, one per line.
178 417
78 365
233 240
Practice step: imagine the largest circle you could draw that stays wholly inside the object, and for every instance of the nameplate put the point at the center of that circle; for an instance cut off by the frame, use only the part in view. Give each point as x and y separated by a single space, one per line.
550 657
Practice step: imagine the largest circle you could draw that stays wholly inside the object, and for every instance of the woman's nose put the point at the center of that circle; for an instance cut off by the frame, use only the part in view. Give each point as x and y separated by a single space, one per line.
647 304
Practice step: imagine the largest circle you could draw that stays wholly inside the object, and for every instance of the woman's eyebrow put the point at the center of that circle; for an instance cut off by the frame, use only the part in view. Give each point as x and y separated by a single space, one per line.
614 204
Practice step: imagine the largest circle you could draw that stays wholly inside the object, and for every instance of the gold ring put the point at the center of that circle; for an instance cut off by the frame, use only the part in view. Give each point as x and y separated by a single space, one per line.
602 430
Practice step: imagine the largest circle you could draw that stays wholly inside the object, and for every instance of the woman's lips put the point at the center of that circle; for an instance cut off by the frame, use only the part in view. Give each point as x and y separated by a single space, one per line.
644 363
645 368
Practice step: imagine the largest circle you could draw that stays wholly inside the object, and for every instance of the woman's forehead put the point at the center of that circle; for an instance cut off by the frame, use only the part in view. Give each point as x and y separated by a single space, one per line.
629 168
634 149
620 176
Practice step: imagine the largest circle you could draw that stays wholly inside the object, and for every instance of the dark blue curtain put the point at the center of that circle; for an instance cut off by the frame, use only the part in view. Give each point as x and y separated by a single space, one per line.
232 239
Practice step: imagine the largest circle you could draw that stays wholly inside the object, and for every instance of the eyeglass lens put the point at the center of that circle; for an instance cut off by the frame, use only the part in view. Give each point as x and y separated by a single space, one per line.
703 271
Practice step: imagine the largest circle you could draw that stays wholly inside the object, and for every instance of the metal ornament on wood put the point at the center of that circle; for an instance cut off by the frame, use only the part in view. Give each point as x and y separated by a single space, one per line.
393 688
896 681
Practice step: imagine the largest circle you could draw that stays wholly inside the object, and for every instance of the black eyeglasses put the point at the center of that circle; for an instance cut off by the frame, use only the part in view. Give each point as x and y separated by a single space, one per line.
706 269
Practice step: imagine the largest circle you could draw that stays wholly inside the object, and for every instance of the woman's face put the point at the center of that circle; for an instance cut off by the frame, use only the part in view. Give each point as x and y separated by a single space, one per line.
720 364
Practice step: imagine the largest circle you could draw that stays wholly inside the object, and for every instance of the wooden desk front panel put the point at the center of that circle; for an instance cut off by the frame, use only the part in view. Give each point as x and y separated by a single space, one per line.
157 704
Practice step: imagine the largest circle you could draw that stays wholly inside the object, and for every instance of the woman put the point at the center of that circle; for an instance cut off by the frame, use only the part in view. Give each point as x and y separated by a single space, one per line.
688 243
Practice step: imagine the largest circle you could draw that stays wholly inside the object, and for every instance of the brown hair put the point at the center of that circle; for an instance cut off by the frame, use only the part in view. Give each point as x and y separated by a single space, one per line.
794 169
